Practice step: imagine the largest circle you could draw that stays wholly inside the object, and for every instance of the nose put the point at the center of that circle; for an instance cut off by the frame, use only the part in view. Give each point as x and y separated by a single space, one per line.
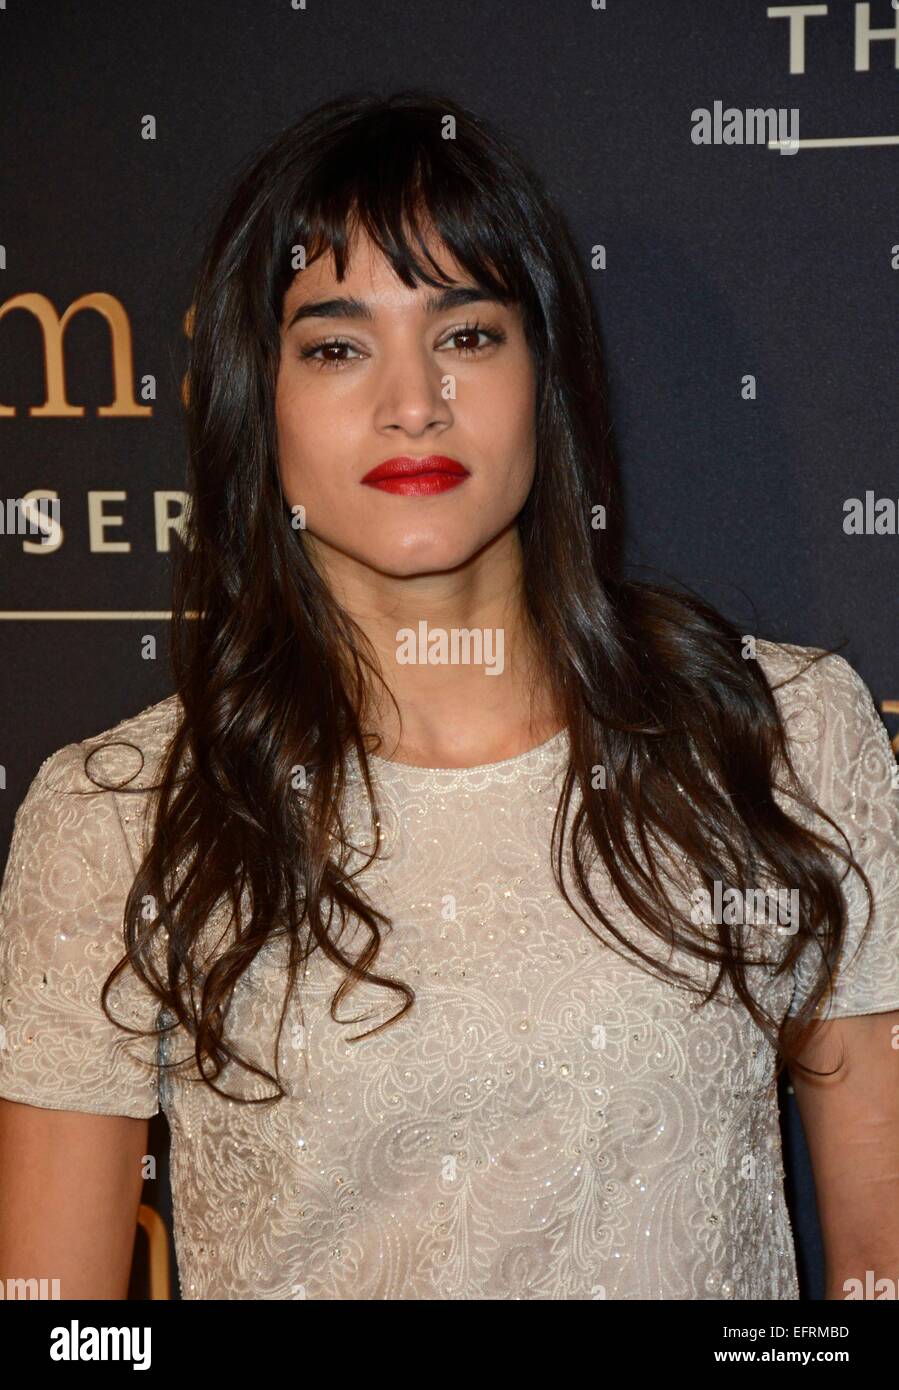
411 389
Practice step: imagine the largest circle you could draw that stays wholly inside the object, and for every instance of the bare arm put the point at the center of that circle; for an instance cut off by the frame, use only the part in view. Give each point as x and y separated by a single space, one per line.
851 1123
70 1187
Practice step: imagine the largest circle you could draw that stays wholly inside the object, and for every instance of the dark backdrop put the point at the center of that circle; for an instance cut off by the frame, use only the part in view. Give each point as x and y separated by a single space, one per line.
723 262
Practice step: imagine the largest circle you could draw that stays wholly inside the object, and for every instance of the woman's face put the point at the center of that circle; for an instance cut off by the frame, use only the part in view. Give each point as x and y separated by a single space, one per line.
401 376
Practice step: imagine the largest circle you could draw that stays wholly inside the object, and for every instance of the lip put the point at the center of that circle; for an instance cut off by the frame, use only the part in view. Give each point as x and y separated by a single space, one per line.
417 477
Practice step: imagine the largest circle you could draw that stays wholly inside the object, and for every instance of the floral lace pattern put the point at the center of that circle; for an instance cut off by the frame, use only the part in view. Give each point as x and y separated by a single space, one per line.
550 1120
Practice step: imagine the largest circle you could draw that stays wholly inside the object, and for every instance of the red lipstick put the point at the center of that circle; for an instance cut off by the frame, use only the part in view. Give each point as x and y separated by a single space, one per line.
417 477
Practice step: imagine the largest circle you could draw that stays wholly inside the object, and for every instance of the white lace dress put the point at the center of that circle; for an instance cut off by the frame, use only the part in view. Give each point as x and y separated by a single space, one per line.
548 1121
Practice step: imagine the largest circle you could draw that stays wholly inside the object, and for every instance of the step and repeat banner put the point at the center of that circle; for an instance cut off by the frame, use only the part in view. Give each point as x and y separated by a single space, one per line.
730 170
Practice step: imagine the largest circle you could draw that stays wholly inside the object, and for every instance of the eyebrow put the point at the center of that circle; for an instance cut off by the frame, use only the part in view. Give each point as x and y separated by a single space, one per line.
352 308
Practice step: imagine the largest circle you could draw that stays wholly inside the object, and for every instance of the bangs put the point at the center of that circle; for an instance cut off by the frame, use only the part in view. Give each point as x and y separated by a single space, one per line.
395 179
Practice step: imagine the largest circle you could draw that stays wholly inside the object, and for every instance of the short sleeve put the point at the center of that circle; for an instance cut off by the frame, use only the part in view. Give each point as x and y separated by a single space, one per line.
855 775
62 905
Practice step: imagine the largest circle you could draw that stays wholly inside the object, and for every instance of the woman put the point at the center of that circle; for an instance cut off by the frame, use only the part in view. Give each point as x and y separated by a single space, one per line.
473 896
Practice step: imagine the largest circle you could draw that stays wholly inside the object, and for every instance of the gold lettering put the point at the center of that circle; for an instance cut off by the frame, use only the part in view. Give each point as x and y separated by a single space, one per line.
53 327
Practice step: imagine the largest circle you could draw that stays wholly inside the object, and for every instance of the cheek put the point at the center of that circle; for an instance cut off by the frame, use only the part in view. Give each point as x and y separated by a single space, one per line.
301 433
285 416
512 428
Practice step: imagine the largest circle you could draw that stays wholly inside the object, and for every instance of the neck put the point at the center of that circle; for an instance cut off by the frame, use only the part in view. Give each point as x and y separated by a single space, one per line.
457 653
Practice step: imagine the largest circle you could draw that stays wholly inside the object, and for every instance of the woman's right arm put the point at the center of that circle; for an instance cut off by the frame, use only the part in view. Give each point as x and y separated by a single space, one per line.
76 1091
70 1187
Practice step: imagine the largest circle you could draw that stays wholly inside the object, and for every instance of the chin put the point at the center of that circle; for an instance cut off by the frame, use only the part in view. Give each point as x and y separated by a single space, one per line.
408 556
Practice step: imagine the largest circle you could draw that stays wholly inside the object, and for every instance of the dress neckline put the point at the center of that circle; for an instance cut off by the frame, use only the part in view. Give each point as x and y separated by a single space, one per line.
519 761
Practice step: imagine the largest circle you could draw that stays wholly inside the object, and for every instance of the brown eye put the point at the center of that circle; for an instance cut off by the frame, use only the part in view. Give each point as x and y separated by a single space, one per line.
330 346
472 332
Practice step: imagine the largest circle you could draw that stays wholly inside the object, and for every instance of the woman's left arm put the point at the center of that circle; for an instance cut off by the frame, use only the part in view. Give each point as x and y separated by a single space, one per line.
851 1124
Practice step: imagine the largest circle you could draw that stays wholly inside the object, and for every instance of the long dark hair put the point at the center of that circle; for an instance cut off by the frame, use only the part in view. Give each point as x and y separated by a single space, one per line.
272 675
